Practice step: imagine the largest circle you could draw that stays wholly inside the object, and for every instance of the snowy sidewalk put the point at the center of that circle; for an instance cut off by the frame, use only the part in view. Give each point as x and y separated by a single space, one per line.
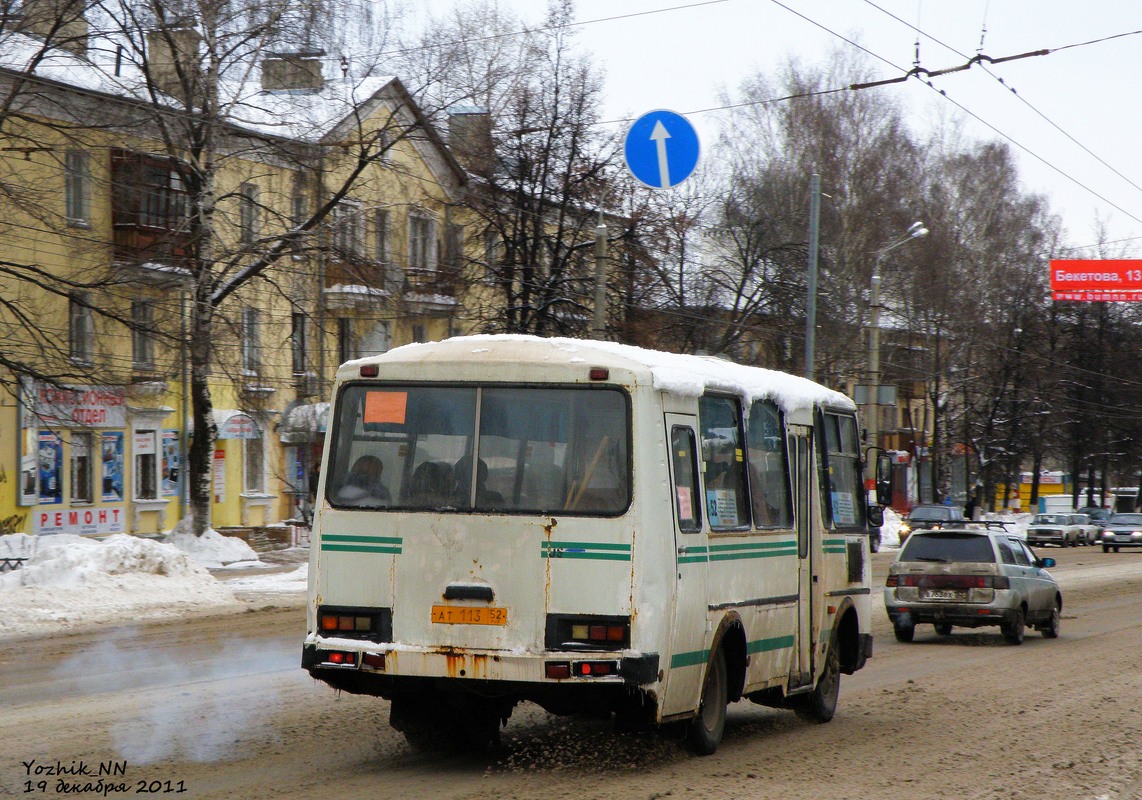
70 583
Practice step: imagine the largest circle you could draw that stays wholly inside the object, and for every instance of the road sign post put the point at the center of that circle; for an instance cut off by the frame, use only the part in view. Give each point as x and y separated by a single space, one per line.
661 149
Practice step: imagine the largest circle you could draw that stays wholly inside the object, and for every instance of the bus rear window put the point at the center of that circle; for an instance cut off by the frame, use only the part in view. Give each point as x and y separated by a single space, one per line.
487 449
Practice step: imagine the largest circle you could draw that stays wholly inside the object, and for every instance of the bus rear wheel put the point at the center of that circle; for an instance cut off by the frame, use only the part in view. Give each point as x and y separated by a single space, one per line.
821 704
704 732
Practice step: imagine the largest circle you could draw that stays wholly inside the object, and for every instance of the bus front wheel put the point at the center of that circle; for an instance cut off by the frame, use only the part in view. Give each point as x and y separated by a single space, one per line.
704 733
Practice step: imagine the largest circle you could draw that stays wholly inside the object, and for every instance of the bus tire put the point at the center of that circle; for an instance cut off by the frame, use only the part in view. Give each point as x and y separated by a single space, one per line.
821 704
704 731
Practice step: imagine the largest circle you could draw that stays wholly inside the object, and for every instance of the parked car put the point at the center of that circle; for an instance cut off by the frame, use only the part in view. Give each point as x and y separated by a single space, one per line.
1090 529
1064 530
971 578
1097 514
1121 530
927 517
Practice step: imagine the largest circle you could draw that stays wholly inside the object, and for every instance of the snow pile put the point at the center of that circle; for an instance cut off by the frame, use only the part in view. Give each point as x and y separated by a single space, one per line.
277 583
212 549
71 582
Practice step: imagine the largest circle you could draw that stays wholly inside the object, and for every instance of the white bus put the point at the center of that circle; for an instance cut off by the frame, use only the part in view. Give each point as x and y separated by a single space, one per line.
592 527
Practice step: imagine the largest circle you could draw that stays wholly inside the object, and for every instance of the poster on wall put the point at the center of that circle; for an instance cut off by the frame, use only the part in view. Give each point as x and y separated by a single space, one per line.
112 458
170 463
51 468
29 468
219 476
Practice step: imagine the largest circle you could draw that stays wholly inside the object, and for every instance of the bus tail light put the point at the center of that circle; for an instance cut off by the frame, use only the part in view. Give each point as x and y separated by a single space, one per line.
347 622
340 658
950 581
581 632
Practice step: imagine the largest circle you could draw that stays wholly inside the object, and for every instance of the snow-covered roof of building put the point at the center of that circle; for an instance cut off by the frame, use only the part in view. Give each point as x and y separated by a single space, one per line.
686 375
306 116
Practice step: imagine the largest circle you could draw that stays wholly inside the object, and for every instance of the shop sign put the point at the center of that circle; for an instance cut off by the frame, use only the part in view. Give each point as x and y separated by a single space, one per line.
76 406
236 425
79 521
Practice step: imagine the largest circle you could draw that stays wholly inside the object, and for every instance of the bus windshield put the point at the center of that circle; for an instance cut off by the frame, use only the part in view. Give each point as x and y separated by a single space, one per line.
483 449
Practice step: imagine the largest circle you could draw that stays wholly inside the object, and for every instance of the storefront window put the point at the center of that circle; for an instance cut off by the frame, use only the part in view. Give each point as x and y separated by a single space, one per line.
255 466
146 466
82 474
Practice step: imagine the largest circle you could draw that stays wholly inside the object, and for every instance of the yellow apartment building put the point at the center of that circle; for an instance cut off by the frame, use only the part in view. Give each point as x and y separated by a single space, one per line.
348 257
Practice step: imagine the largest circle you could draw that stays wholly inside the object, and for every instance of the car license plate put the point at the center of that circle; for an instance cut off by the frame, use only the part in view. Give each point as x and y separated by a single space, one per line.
941 594
467 615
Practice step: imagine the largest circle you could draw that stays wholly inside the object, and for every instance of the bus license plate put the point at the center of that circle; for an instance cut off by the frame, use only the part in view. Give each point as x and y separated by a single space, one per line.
466 615
942 594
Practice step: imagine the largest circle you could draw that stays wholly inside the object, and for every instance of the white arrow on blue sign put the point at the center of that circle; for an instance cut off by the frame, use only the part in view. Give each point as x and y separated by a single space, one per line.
661 149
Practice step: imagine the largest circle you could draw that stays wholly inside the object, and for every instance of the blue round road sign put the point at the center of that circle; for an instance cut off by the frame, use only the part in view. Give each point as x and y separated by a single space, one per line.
661 149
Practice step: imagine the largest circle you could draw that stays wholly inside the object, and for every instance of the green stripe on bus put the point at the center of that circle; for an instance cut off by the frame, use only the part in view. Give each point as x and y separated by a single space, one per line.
587 545
766 645
690 659
594 551
753 545
344 537
696 657
789 551
584 554
361 548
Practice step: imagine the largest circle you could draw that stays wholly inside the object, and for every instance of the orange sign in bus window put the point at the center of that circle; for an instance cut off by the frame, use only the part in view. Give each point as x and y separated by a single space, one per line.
386 407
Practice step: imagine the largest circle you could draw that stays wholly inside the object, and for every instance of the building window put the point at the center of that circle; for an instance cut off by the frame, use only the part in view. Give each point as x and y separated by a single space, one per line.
77 173
348 229
421 247
255 461
376 341
82 474
146 465
493 256
142 334
248 212
381 235
418 334
346 351
81 329
297 343
251 341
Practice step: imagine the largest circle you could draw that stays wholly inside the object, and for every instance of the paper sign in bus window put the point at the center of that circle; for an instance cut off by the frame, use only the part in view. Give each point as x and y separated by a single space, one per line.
386 407
685 506
722 507
844 508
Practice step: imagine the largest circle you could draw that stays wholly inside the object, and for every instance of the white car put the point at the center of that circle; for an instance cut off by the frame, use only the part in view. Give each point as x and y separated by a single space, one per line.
1060 529
1092 531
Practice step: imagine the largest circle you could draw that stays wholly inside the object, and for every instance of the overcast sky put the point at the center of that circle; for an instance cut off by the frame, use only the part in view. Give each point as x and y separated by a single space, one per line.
1072 109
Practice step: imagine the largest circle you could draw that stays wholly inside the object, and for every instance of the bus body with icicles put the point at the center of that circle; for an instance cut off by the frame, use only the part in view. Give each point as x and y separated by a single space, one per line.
596 528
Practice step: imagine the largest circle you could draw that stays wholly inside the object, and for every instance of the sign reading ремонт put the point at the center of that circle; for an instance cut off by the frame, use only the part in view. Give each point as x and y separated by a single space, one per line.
1109 281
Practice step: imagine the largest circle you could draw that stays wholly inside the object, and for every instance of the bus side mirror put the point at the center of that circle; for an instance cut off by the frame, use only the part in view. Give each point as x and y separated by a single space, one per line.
883 479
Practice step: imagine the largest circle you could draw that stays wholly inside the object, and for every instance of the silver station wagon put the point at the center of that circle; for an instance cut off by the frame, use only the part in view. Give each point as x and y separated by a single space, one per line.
971 578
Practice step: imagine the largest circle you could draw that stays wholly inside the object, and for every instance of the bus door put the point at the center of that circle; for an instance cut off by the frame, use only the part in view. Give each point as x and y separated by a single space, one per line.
688 654
801 461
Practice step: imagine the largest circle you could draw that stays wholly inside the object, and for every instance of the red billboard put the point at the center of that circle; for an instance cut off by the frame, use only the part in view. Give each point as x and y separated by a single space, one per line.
1108 281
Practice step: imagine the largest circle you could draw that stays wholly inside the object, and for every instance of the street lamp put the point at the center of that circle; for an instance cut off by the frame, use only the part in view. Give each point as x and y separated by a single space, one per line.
915 231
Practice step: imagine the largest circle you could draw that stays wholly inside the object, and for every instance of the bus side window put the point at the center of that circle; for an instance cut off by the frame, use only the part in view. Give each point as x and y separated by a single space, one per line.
687 501
768 467
727 500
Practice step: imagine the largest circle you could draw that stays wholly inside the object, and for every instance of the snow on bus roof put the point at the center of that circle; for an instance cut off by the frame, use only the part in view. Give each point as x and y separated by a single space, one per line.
686 375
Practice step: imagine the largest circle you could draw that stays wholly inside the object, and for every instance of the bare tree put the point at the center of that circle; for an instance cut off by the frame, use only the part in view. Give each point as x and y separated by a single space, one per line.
541 170
188 79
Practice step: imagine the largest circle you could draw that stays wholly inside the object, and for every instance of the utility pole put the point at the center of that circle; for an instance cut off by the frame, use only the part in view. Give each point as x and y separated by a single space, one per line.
599 326
915 231
811 303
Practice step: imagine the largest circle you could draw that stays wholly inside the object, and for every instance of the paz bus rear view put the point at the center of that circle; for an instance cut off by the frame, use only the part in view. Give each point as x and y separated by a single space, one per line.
595 528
